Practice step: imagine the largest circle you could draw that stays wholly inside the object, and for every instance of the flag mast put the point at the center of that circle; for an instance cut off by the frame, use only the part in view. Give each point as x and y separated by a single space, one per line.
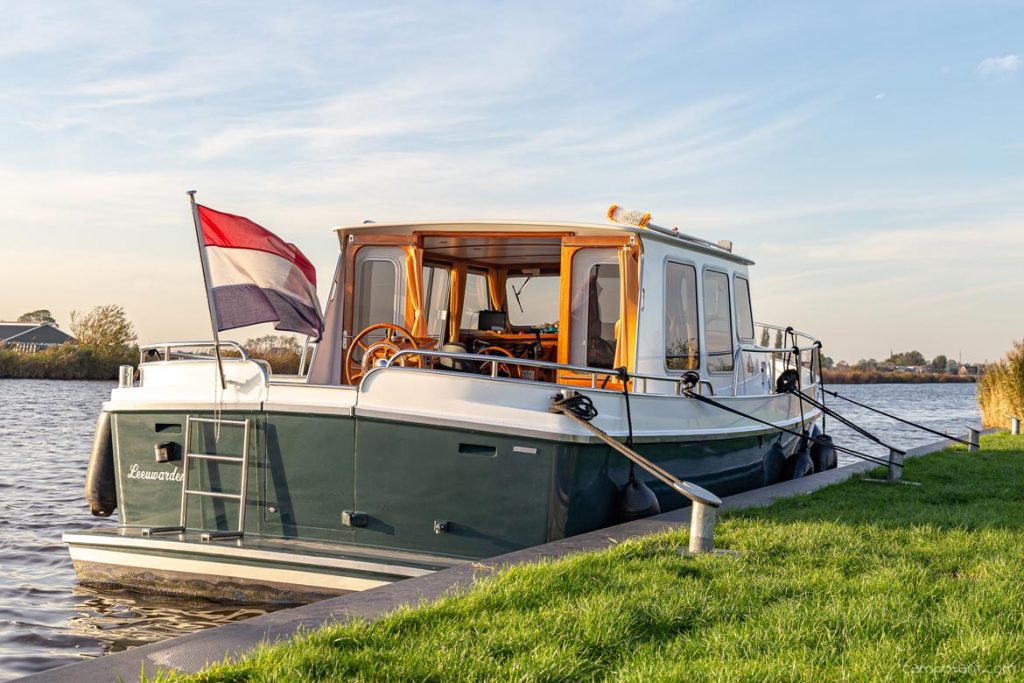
211 304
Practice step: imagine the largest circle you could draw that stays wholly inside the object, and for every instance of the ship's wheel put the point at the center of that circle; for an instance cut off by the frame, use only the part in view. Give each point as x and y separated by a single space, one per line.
395 339
504 369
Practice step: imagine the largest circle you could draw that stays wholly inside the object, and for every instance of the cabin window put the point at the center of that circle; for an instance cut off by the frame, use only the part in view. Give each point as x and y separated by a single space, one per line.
602 314
744 315
682 349
532 300
476 300
376 291
435 293
717 321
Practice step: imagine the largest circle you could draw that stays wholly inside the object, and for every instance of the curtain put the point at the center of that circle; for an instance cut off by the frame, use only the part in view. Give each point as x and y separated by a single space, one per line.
497 278
457 297
629 295
415 317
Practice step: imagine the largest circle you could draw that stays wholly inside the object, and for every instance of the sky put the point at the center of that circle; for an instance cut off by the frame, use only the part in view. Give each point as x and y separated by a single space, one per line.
868 156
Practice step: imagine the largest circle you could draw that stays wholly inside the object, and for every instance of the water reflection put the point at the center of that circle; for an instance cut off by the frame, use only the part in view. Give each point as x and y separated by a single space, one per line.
118 620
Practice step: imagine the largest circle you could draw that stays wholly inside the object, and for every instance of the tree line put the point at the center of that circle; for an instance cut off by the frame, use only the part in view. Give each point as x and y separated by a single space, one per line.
105 339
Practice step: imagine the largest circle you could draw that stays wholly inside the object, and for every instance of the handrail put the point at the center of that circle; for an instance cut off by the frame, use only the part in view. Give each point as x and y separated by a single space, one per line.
771 349
779 328
167 346
497 361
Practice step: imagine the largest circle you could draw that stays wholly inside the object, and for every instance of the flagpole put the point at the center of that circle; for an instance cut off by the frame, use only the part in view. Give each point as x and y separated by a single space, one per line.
211 304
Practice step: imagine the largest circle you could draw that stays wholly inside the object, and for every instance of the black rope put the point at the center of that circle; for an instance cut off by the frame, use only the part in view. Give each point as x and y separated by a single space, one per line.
579 405
623 376
841 449
799 384
899 419
849 423
821 382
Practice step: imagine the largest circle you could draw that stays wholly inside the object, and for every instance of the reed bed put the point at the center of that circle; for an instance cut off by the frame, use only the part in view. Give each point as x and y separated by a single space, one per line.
66 361
1001 389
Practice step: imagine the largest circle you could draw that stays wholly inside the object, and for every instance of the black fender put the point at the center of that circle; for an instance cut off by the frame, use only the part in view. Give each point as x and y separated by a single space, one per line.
799 464
100 487
823 454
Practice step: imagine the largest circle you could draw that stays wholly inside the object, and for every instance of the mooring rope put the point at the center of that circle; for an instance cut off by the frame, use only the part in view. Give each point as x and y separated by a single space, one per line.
898 419
846 421
841 449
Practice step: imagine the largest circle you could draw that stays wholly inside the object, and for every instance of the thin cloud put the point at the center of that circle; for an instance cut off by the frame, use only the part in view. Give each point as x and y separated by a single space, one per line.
1006 65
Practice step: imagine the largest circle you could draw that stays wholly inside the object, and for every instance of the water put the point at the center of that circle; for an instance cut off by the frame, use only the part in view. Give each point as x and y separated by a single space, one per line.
46 427
46 618
942 407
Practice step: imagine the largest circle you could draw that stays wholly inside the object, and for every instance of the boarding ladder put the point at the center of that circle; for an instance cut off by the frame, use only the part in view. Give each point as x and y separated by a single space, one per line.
187 492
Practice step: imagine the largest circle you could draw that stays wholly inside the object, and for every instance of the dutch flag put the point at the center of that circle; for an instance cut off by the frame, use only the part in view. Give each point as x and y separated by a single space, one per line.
256 277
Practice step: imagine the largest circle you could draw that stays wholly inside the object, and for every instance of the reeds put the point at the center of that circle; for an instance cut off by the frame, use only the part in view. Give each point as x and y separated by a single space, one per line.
1001 389
66 361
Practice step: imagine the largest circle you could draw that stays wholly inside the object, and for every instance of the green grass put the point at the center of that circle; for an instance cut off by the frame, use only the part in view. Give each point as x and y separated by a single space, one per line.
859 581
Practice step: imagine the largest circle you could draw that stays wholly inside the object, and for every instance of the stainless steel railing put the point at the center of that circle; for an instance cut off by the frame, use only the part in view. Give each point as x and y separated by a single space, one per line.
168 351
496 362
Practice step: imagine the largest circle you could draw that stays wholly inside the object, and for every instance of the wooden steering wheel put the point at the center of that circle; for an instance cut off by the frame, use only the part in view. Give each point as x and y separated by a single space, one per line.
504 369
396 338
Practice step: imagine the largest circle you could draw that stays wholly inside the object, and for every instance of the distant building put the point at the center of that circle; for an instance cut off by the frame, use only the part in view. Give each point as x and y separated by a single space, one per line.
969 370
33 336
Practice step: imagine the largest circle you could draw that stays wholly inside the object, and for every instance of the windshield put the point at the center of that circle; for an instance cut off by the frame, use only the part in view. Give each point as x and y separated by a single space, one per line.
533 300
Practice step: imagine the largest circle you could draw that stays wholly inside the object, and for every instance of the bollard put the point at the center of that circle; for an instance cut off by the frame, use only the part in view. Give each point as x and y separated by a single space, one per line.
702 528
125 376
1015 425
972 436
895 466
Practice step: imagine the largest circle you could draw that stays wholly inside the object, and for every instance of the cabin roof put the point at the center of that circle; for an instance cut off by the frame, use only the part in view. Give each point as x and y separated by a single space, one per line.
527 227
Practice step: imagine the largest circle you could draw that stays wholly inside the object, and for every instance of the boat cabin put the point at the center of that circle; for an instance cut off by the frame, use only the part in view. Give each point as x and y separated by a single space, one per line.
524 296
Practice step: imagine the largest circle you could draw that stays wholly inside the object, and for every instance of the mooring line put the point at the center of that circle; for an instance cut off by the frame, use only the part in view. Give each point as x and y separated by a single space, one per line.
849 423
898 419
841 449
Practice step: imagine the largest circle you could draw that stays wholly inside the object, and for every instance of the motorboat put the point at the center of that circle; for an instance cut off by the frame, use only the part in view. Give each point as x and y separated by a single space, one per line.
419 434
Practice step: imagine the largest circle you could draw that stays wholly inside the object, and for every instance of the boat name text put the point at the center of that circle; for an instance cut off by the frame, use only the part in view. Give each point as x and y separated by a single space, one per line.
137 472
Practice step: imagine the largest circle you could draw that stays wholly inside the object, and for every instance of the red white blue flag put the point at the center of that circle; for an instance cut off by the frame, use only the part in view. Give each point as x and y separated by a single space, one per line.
256 277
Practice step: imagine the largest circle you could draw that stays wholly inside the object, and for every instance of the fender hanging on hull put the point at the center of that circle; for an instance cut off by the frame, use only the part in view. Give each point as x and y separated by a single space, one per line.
100 489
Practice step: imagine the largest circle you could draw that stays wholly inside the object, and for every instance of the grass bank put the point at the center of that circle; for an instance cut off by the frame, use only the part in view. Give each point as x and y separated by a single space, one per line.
877 377
1001 389
858 581
66 361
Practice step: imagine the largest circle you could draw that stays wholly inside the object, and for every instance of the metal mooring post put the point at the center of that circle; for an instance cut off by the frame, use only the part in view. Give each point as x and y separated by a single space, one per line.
972 436
895 465
702 528
1015 425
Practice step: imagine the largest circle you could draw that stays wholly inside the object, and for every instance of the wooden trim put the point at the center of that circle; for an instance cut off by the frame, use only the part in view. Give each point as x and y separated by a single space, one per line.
600 241
383 240
498 235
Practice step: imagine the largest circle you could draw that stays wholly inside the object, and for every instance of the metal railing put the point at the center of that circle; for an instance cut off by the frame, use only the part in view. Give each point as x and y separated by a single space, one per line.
165 349
496 362
168 351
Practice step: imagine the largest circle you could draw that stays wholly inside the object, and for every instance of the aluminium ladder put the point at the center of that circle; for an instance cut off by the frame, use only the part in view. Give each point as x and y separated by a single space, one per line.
241 460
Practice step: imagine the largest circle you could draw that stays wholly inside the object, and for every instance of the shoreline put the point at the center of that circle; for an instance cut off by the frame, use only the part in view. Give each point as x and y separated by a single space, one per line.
876 377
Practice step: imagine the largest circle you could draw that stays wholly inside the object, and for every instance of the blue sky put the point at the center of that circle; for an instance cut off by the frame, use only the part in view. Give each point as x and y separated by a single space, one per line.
869 157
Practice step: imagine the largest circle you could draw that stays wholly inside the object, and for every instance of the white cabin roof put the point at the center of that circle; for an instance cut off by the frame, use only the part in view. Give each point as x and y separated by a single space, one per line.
505 226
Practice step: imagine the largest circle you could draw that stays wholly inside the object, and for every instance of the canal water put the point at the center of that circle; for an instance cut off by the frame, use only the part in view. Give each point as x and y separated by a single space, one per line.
46 427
